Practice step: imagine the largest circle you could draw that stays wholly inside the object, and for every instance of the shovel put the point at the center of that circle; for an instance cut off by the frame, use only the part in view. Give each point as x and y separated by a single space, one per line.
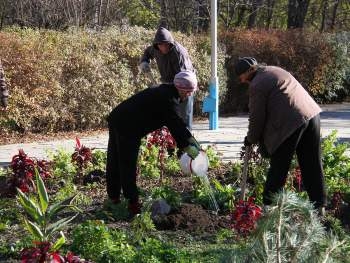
245 172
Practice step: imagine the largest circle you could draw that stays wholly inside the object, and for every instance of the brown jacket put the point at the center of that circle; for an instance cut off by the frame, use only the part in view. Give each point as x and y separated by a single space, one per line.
3 89
278 105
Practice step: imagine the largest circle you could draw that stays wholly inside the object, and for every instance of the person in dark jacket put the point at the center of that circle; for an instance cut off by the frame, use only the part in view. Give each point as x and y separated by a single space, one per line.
134 118
3 89
285 119
171 58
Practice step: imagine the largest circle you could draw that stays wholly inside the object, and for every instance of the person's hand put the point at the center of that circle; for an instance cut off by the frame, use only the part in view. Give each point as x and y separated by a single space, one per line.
192 151
193 141
246 142
145 67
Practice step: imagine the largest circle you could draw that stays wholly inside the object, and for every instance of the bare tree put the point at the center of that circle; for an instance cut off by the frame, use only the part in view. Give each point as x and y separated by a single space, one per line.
334 14
254 13
297 10
270 6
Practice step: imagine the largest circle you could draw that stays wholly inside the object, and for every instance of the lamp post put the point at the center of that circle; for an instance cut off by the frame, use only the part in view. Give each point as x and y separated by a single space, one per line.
211 102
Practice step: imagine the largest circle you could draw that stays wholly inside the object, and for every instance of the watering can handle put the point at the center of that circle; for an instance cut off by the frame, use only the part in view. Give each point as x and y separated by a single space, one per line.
245 171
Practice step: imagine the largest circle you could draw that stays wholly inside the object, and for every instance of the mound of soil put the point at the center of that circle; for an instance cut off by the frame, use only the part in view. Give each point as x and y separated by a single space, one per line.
192 218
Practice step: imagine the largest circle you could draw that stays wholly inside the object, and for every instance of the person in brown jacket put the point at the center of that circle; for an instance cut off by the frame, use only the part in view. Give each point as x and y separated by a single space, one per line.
283 119
3 89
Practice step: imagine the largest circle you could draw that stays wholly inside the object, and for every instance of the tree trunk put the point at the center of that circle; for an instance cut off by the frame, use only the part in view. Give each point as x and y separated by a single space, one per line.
240 15
324 15
254 13
270 8
334 13
163 14
297 10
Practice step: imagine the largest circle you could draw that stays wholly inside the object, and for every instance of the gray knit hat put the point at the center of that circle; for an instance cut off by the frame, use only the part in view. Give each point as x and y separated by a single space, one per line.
244 64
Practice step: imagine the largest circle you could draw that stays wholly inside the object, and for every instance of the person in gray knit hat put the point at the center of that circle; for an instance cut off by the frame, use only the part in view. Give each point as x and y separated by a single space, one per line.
134 118
283 119
3 89
171 58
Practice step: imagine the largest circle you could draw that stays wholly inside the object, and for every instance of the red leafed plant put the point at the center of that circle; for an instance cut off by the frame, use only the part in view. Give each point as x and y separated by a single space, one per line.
23 171
41 253
82 155
163 139
297 177
245 216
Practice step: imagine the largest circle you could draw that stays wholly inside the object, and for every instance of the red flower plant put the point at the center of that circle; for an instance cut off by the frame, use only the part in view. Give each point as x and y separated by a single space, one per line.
82 155
164 140
297 177
245 216
40 253
23 168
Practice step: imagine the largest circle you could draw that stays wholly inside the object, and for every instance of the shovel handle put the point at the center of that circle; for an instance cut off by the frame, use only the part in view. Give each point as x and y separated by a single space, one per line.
245 172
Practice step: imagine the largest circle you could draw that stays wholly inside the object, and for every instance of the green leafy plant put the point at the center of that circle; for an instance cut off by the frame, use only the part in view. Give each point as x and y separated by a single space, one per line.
94 240
63 168
336 164
224 194
213 157
153 250
40 215
141 226
165 192
148 165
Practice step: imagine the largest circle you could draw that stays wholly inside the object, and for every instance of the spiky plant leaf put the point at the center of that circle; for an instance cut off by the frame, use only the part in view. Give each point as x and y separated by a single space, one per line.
34 230
29 206
59 242
43 196
58 225
55 208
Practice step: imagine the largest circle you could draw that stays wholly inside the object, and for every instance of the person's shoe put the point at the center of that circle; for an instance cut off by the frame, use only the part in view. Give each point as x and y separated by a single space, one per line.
134 208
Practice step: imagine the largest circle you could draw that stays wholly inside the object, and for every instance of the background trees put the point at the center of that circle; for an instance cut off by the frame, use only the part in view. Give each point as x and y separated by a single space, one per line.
181 15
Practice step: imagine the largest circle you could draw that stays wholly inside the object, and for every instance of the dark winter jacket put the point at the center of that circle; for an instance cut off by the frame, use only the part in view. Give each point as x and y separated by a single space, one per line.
278 105
150 110
176 60
3 90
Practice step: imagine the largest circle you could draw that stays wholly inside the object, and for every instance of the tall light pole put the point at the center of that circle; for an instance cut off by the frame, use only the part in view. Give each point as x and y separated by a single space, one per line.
211 102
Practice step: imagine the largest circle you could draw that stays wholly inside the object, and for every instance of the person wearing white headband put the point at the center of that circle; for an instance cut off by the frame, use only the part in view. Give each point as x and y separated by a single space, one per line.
134 118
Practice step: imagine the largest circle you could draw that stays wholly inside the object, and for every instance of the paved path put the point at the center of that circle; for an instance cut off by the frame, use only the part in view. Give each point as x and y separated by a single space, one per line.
227 139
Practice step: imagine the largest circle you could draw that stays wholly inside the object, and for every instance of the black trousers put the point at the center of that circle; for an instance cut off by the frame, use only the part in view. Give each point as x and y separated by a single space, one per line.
306 143
122 154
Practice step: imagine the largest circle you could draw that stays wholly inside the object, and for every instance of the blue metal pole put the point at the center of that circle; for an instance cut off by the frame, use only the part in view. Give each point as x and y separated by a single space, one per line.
211 102
214 87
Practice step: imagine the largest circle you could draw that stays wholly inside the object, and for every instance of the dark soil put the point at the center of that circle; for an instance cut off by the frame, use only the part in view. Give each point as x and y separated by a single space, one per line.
193 218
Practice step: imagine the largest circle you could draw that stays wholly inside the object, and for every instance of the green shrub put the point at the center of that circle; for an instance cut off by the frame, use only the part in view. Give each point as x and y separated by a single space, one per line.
62 81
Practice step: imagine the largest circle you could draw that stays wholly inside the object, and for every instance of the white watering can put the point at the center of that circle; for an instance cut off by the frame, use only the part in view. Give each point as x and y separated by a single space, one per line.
198 166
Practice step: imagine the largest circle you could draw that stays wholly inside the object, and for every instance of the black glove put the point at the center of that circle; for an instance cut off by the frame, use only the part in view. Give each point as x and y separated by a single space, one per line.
246 142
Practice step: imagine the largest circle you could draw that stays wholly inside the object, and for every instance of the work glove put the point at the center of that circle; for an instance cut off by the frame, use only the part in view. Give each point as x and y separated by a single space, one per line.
246 142
192 151
145 67
193 141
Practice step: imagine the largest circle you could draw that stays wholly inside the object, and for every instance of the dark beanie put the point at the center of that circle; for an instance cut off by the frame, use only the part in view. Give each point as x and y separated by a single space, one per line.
243 64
